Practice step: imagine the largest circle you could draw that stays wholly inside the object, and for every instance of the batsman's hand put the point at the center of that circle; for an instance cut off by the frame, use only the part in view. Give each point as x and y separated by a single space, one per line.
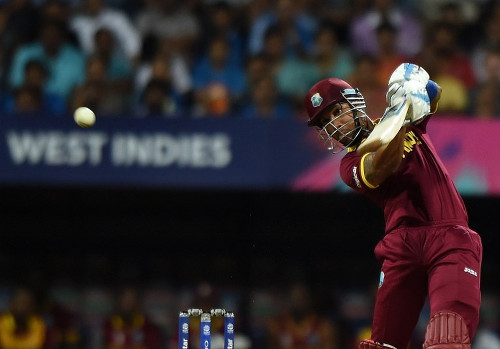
396 94
423 98
409 72
419 99
416 93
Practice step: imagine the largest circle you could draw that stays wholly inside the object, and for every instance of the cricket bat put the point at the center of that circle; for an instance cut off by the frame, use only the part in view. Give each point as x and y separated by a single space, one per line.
387 128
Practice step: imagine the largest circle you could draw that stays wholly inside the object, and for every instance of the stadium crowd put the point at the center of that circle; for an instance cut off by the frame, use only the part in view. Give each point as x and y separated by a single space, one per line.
225 59
292 316
238 58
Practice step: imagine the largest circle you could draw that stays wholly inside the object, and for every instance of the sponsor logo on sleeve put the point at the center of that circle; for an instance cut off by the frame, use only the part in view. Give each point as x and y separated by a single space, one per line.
355 176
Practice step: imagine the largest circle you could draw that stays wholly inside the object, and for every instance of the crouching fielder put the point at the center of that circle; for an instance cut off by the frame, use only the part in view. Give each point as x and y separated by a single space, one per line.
428 249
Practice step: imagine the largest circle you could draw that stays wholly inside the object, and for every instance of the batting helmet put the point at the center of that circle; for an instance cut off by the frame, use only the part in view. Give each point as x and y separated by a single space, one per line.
331 91
327 92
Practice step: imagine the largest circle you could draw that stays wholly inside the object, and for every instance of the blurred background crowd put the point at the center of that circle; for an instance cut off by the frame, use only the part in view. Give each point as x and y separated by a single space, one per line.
239 58
293 315
218 59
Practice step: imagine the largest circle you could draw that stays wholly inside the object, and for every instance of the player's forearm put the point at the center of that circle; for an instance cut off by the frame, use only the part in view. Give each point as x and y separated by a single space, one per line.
385 161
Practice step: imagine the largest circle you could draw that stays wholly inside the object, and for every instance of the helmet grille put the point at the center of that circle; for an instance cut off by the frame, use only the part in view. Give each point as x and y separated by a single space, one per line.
354 98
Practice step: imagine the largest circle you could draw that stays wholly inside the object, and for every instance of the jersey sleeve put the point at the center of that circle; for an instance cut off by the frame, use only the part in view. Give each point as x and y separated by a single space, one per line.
352 172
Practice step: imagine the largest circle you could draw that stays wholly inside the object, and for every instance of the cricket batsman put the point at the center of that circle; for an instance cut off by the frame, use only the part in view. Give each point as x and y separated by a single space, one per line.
428 250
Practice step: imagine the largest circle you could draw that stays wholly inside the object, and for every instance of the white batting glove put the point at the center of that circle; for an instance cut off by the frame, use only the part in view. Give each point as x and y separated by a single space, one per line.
419 99
396 94
416 93
414 80
407 72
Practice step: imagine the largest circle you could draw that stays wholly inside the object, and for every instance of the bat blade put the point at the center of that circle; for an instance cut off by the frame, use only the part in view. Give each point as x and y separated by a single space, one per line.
387 128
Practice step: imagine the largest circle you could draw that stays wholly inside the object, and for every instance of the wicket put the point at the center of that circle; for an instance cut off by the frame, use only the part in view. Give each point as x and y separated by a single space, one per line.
206 327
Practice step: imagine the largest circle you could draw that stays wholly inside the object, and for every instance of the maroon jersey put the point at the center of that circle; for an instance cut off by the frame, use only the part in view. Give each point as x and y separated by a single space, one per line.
419 193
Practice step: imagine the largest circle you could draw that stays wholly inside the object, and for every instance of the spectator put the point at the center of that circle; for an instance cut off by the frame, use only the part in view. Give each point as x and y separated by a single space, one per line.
158 100
221 21
297 26
484 100
170 68
169 20
128 327
363 29
34 90
62 312
388 57
65 64
485 97
21 326
118 67
330 58
265 103
293 75
488 40
254 10
257 68
447 54
19 25
94 16
218 82
366 79
338 13
57 10
462 14
451 68
98 93
301 326
28 101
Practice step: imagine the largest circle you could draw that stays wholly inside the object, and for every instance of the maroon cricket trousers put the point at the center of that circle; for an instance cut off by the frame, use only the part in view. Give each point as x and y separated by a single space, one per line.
442 262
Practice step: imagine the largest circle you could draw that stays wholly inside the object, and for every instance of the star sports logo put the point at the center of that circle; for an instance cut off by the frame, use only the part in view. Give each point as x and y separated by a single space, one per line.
316 100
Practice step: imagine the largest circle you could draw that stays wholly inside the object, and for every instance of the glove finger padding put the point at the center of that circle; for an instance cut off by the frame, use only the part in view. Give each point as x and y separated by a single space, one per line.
419 99
395 94
408 71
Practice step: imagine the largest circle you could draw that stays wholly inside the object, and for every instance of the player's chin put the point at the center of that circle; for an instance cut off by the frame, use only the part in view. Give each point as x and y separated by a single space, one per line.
366 123
364 133
347 141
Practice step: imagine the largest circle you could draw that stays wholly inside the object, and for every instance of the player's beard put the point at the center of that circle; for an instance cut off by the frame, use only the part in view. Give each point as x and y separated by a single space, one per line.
361 127
366 128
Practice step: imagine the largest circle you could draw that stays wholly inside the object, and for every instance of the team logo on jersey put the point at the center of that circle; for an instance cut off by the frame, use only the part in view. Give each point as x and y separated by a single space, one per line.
316 100
410 141
381 280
